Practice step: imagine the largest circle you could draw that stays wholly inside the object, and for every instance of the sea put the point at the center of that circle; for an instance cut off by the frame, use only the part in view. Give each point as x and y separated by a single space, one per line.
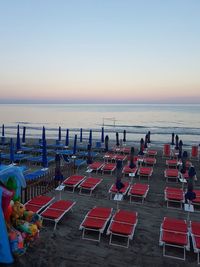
137 119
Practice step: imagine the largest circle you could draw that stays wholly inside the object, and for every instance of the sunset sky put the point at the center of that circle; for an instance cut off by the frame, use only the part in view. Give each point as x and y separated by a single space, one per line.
100 51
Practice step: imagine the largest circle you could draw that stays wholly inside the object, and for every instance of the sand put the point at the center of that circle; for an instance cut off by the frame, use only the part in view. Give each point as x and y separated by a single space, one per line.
65 247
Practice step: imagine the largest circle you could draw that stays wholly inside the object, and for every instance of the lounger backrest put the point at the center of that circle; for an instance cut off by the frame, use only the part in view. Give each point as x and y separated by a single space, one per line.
195 151
166 149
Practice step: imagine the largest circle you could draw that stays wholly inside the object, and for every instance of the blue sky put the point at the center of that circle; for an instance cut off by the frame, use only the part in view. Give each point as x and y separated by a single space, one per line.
105 51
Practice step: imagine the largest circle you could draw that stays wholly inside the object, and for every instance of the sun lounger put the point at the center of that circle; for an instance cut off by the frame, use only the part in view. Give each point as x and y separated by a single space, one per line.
151 153
96 166
174 233
149 161
89 184
196 201
95 221
38 203
108 157
39 160
166 151
127 170
138 191
174 195
195 234
194 154
145 172
116 157
73 181
113 190
122 225
171 174
35 175
172 163
108 167
57 210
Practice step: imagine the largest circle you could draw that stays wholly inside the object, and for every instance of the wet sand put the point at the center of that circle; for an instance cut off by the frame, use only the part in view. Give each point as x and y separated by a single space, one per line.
65 246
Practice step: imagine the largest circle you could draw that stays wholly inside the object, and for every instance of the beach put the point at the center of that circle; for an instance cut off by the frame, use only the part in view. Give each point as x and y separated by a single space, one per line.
65 246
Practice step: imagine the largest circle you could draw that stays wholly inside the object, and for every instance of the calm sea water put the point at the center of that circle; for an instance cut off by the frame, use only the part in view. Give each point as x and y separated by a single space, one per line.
137 119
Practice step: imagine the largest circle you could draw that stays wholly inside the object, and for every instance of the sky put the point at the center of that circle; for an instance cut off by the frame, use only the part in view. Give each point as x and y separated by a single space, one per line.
99 51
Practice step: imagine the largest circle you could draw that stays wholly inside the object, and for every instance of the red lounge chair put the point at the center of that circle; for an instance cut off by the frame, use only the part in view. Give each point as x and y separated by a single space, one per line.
95 221
122 225
89 184
127 170
96 166
113 190
196 201
119 157
174 233
166 151
171 174
172 163
194 153
73 181
38 203
108 167
108 157
149 161
151 153
145 172
195 234
57 210
174 195
138 190
126 150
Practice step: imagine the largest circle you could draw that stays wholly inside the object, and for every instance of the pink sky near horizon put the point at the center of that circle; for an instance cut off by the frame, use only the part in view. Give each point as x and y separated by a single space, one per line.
100 51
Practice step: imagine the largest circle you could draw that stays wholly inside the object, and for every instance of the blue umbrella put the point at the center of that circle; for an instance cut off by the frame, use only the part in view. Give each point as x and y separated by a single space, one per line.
102 135
106 143
141 152
43 135
24 135
90 138
44 154
67 138
89 156
59 134
75 144
0 157
11 150
146 141
177 139
172 143
81 135
18 144
119 185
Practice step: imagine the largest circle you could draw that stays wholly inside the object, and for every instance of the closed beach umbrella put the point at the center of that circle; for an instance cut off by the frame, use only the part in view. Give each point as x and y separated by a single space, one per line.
89 156
44 154
43 135
184 159
59 134
180 146
75 144
119 185
24 135
81 135
117 139
18 144
141 152
124 136
11 151
106 143
172 143
0 157
146 141
149 137
132 164
90 138
176 138
67 138
102 135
